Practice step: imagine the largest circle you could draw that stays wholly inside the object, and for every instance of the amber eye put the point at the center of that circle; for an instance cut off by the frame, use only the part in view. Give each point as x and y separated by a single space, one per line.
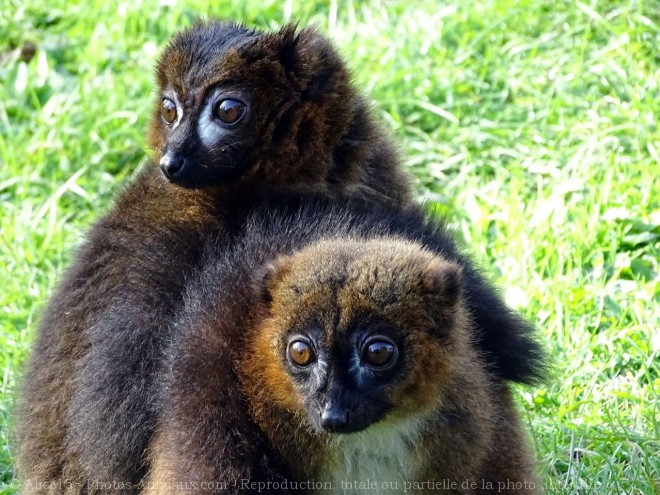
229 111
301 353
379 353
168 111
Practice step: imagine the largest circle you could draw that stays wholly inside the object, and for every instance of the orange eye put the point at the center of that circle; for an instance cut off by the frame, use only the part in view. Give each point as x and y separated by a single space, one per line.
379 353
168 111
301 353
229 111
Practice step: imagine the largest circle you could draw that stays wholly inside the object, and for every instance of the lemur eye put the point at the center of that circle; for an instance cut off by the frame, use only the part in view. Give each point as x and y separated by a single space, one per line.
301 353
229 111
168 111
379 353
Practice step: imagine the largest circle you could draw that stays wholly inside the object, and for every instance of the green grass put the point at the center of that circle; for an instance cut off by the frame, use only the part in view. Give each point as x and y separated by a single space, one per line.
534 121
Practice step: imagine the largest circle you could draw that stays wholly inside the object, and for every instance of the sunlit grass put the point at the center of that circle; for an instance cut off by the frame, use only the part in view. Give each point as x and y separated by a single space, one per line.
534 122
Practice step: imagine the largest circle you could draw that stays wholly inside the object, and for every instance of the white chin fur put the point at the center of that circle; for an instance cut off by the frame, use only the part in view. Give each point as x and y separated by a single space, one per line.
376 460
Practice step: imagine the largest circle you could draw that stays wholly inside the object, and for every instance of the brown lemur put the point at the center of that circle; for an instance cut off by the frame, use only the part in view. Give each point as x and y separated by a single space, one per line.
240 115
357 361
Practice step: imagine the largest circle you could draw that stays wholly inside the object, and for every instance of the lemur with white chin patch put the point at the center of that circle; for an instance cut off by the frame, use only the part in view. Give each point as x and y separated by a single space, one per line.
240 115
357 361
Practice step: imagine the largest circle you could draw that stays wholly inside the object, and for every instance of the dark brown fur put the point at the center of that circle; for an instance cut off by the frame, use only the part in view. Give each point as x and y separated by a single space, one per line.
451 423
307 125
87 405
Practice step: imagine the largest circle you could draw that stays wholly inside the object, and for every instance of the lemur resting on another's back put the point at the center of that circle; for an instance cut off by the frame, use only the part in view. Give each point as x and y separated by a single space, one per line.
239 114
356 354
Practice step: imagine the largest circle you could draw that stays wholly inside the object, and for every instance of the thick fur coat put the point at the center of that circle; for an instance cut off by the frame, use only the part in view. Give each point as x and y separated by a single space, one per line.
450 417
89 403
87 406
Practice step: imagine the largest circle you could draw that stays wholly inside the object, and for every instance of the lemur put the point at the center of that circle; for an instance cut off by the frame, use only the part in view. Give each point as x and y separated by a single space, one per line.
334 349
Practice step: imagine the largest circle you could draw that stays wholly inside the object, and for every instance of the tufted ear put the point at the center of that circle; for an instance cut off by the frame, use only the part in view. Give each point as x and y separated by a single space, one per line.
269 275
308 56
443 279
442 283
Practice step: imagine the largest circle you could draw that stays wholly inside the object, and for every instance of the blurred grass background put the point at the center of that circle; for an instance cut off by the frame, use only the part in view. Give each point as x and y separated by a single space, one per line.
533 121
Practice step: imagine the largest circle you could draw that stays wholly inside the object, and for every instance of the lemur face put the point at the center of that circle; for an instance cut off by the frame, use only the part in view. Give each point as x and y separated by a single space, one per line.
346 380
205 142
235 103
359 331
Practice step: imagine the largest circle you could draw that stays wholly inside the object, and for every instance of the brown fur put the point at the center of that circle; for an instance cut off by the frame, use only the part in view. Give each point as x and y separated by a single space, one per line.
87 405
107 268
457 420
309 127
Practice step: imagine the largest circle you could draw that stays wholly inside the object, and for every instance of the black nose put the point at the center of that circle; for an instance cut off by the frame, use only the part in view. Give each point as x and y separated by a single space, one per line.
172 165
335 419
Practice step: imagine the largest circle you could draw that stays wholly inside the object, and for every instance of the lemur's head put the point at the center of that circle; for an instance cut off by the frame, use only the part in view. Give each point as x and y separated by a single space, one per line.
357 332
235 103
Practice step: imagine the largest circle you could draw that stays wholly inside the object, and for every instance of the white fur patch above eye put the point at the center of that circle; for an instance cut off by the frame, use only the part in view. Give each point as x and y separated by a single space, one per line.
377 460
208 130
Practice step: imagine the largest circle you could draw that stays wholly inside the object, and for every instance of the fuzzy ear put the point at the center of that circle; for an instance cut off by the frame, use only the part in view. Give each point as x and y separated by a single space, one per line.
269 275
288 43
311 59
443 283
